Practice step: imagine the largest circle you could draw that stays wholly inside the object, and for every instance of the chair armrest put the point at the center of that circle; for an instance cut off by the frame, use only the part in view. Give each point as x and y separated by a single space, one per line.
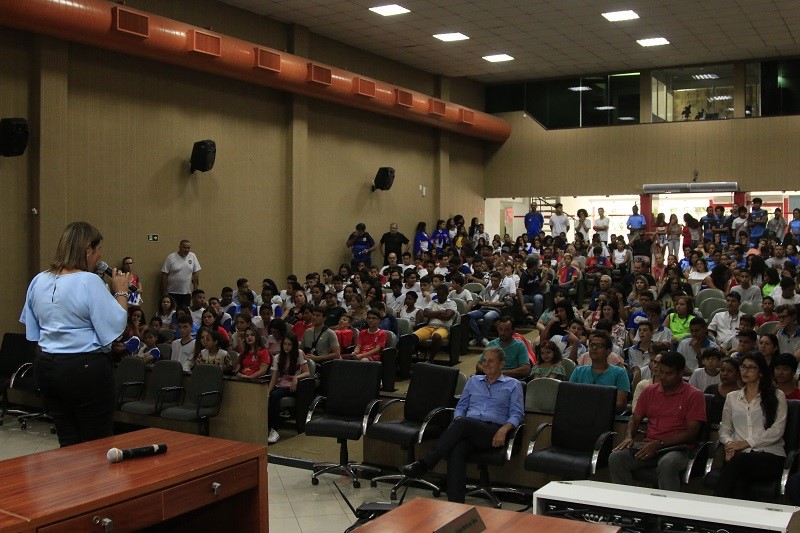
138 385
313 406
695 454
676 448
535 434
368 413
169 395
430 416
511 440
712 454
791 457
201 400
598 448
384 406
20 373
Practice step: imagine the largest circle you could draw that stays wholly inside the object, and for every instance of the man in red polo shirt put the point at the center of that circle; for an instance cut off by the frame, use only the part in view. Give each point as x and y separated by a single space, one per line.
675 412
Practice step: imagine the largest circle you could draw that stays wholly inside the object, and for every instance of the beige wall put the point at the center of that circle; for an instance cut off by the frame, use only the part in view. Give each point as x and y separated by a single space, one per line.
111 135
759 153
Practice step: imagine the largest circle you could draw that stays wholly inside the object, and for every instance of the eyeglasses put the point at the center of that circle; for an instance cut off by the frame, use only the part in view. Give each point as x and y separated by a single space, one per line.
748 368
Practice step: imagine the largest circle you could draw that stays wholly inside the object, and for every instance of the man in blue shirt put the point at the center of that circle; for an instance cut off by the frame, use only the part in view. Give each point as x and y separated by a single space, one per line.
490 406
708 222
362 245
636 222
534 222
602 373
757 222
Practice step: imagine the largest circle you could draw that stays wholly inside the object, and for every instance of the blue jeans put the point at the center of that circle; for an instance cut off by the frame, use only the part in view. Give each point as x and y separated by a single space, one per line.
538 303
489 315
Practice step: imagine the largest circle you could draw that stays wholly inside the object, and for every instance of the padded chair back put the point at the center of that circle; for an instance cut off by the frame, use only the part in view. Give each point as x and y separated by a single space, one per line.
474 287
708 293
166 335
431 386
312 367
791 435
404 326
460 383
391 339
461 305
768 327
569 367
165 349
205 378
129 370
351 385
165 374
710 305
582 413
540 395
750 308
14 352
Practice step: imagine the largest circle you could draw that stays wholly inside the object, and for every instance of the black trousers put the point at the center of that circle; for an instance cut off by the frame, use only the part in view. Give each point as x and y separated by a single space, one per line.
79 393
274 409
182 300
743 469
459 439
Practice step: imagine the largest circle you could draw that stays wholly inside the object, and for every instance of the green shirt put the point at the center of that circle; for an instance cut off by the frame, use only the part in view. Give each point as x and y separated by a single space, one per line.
516 354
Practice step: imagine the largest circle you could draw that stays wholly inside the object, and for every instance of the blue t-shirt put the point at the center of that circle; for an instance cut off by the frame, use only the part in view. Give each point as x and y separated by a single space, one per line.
614 376
71 313
636 222
534 223
439 238
757 230
794 227
361 244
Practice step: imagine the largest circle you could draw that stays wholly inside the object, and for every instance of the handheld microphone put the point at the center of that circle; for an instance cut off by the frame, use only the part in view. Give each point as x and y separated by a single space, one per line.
102 266
115 455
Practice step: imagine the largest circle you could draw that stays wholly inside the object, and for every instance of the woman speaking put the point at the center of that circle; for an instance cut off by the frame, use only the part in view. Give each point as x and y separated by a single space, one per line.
70 313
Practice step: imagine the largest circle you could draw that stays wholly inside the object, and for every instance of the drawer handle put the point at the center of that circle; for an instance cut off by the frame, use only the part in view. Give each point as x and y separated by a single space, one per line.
216 488
107 523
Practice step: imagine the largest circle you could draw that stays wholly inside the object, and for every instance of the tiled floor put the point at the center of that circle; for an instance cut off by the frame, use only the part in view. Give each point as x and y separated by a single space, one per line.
295 505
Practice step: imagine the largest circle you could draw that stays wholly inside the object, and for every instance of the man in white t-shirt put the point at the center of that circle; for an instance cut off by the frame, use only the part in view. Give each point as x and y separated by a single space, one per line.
601 224
559 221
180 274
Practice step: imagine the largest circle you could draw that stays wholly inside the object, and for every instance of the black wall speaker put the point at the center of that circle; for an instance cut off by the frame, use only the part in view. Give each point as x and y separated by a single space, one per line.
203 155
383 179
13 136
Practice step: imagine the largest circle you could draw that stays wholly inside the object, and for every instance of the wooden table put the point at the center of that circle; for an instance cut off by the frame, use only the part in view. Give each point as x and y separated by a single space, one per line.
76 489
423 514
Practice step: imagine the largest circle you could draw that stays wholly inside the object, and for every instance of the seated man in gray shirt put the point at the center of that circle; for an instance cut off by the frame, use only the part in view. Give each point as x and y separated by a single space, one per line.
320 343
748 291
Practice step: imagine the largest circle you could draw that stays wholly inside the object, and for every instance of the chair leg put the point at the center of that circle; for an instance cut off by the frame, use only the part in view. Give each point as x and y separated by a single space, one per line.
203 426
402 481
484 489
350 469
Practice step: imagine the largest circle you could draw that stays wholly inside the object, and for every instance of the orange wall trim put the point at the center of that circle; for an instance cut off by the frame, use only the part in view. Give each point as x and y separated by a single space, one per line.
110 26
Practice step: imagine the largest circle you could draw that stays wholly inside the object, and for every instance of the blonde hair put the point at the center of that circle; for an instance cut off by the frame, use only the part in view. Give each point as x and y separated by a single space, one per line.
72 246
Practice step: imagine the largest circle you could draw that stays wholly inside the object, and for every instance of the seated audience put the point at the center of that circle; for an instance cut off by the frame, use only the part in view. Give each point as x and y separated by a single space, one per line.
320 343
147 348
256 360
728 382
600 372
288 368
785 368
183 347
440 314
692 347
490 406
371 341
675 412
550 363
492 303
753 421
516 362
213 352
708 374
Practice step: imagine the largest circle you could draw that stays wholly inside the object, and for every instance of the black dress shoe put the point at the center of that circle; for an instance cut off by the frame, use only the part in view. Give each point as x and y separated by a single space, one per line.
415 469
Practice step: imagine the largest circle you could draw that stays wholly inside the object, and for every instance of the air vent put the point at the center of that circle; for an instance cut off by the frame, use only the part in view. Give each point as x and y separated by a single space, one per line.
436 107
319 74
127 21
205 43
267 60
364 87
403 98
466 116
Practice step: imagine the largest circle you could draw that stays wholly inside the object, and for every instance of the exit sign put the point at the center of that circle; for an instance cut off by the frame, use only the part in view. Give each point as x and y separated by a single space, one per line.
152 237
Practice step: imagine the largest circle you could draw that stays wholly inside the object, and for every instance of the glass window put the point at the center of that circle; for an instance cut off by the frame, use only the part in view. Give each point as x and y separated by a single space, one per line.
693 93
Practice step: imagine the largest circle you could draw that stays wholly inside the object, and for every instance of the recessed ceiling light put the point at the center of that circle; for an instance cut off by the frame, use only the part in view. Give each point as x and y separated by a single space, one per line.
655 41
720 98
626 118
497 58
579 88
705 76
450 37
605 107
389 10
616 16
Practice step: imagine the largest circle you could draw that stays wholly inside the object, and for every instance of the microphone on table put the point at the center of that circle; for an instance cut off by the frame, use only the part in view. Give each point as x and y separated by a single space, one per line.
115 455
102 266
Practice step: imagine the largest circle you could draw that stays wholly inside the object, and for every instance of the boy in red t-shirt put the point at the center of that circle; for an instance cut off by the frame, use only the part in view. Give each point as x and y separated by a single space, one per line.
371 341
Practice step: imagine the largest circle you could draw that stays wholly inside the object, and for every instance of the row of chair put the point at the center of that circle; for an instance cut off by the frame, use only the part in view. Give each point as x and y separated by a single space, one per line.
165 395
17 355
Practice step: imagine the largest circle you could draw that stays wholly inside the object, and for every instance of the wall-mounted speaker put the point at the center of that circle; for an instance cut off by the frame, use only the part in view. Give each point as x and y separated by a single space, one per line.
383 179
203 155
13 136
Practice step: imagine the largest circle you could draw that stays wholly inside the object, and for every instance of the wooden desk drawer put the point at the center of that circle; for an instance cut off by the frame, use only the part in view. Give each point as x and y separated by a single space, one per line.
200 492
127 516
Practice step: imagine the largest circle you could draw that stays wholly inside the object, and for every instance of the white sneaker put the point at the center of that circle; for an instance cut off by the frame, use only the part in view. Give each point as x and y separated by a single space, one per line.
485 342
273 436
473 342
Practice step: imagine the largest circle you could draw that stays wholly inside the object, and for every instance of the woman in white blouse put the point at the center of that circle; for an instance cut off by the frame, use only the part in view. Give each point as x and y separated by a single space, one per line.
753 420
